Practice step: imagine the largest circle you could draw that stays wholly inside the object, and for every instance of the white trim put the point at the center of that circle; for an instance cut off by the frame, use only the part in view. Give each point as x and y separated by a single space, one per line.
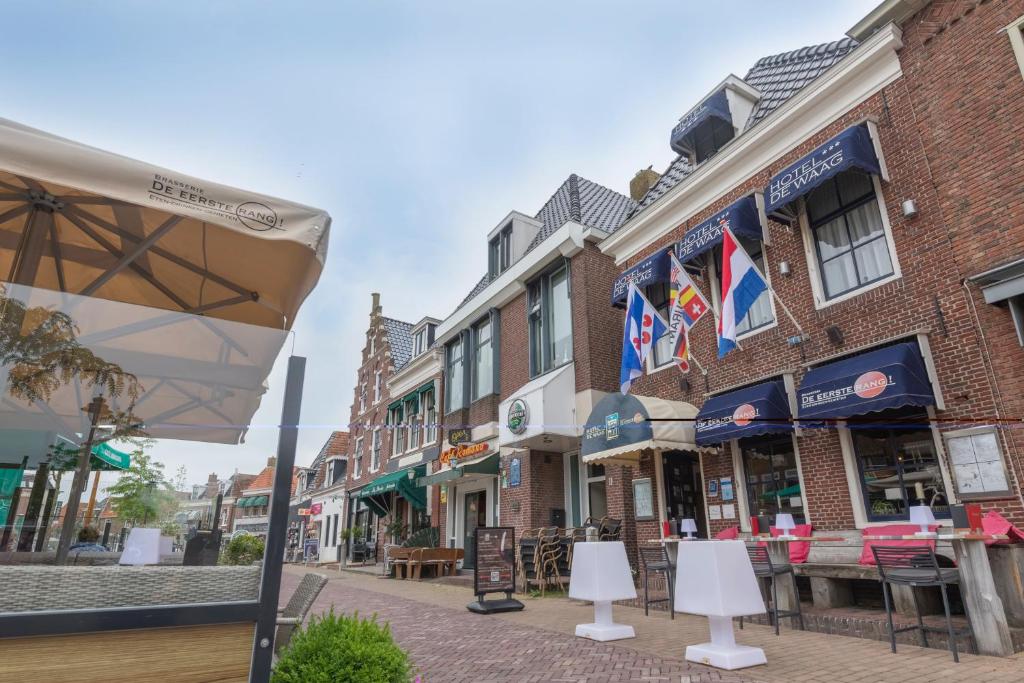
876 143
940 455
739 473
866 70
929 365
1015 32
659 483
811 254
896 11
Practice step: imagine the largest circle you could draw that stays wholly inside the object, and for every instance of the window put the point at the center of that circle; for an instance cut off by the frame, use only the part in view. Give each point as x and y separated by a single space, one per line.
357 459
898 465
483 360
375 450
549 312
1015 31
658 295
499 252
373 343
419 344
849 237
376 386
334 536
429 416
362 397
773 482
760 313
414 422
454 375
597 492
395 418
709 137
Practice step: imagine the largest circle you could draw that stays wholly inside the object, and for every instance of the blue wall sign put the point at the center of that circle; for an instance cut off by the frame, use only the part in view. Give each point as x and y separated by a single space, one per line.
654 268
741 217
514 472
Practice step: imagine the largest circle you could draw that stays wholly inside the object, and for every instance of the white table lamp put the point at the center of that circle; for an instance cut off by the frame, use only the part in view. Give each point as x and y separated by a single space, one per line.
784 523
715 579
141 547
689 526
922 516
601 574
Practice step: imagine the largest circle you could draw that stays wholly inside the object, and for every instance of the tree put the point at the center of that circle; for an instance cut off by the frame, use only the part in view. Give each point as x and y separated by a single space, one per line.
142 494
181 478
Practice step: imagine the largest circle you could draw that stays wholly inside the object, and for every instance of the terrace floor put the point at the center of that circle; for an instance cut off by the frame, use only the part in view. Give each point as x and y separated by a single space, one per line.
449 643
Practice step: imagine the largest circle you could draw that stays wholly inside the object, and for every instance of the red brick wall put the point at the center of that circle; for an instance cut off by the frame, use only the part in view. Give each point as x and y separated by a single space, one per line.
529 505
597 326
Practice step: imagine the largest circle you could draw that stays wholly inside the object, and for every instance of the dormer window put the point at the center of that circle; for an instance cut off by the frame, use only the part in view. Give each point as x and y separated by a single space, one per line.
419 342
719 117
708 138
500 252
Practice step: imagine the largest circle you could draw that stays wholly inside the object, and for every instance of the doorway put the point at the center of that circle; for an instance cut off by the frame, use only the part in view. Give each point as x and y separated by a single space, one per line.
684 489
475 514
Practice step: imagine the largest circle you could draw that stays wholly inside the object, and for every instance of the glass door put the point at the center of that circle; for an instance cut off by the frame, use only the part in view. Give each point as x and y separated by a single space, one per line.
684 493
475 511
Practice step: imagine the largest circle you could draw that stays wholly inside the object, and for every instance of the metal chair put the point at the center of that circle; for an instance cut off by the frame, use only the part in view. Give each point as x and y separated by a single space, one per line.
292 615
764 568
610 529
917 567
656 561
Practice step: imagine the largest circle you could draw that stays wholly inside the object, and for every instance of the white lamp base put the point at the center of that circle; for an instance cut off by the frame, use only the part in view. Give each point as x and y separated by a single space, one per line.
603 628
723 652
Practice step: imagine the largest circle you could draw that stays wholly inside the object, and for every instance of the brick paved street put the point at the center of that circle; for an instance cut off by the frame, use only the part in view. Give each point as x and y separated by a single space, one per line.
430 621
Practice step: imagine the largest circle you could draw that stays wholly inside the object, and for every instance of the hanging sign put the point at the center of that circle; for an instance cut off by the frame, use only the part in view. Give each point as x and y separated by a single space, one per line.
465 451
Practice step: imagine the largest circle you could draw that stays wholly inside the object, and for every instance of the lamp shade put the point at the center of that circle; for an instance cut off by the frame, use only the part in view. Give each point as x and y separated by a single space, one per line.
716 578
784 521
922 515
688 525
600 572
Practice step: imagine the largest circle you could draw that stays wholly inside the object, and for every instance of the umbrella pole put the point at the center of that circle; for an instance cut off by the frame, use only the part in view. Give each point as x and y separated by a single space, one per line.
78 484
92 495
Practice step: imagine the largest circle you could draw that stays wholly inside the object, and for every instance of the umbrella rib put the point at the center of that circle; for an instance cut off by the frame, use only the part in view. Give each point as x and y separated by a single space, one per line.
15 212
199 402
58 262
129 258
14 197
135 267
173 258
241 299
18 250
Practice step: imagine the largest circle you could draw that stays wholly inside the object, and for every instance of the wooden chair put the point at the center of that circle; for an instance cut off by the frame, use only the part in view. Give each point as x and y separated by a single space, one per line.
294 613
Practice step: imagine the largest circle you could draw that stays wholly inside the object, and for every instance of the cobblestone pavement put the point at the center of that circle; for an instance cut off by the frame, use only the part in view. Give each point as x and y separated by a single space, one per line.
448 643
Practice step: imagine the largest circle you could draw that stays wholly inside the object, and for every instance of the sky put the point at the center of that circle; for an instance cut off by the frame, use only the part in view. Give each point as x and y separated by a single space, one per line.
417 125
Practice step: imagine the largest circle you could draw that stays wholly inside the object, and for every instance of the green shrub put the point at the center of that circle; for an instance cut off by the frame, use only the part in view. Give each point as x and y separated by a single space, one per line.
342 648
243 550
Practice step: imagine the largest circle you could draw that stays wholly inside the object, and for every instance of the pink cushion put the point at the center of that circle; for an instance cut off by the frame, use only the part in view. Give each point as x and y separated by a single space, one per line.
730 534
995 523
798 550
868 558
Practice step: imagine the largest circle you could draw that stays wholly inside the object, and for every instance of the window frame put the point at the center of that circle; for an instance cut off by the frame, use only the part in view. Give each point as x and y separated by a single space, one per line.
545 311
396 417
357 459
499 252
475 393
413 424
1015 32
450 382
429 422
375 449
653 362
714 257
362 397
419 342
378 377
821 301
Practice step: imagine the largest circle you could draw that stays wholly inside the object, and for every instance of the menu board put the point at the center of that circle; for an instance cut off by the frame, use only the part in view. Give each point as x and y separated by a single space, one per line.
495 560
977 462
643 499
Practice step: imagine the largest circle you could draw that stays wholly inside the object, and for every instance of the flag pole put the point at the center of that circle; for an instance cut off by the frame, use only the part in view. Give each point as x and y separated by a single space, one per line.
785 309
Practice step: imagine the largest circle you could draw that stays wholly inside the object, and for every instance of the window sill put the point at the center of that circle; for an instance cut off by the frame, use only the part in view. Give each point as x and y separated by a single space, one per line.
821 305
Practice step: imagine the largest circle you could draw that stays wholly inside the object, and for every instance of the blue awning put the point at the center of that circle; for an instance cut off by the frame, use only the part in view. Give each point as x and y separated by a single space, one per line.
715 105
850 149
751 411
654 268
741 217
890 377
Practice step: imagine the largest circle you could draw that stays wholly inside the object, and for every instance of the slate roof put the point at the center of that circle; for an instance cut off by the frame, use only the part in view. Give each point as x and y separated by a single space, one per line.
579 200
336 444
399 340
778 78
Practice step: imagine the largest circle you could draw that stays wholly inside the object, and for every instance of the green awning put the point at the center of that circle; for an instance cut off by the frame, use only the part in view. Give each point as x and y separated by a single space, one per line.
376 507
104 458
258 501
401 483
488 465
793 490
242 503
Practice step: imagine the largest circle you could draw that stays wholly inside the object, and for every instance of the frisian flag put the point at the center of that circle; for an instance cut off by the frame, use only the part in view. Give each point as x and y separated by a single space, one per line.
688 306
742 283
642 329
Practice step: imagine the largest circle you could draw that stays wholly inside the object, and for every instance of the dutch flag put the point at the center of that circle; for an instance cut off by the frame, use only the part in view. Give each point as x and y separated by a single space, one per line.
742 283
644 327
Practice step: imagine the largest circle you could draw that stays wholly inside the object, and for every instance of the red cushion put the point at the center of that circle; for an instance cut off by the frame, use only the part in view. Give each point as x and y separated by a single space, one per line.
798 550
868 558
995 523
730 534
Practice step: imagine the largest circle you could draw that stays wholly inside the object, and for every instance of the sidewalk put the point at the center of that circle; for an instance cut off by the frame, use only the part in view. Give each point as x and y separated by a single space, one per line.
451 644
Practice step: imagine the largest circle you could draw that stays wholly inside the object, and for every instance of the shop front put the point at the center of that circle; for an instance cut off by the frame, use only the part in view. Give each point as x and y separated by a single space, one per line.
398 498
467 484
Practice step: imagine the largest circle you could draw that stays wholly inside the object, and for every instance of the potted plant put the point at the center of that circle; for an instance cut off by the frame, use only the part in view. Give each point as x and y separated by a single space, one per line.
396 529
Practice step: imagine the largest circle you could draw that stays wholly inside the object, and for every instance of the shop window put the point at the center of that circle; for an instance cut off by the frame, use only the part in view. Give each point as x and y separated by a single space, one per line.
500 252
549 313
760 314
375 450
772 478
454 375
483 360
898 465
849 236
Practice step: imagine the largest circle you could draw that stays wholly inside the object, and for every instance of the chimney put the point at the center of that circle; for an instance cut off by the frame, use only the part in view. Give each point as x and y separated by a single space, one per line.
212 485
643 181
376 303
272 461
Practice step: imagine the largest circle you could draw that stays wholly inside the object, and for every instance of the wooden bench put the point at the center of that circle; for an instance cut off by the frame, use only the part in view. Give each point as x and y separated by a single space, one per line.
832 566
443 560
399 559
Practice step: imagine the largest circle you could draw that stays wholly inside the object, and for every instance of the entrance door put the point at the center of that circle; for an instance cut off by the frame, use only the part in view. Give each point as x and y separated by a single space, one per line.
475 514
684 492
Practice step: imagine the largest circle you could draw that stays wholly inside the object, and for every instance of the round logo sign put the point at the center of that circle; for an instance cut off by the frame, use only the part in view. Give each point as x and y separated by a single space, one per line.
518 415
744 415
256 216
870 384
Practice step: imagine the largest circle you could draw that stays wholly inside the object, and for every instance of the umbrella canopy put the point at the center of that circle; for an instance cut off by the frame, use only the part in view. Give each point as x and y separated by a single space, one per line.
104 457
81 220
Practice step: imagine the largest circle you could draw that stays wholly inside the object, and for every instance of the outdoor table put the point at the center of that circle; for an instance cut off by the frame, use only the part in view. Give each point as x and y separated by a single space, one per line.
985 610
601 574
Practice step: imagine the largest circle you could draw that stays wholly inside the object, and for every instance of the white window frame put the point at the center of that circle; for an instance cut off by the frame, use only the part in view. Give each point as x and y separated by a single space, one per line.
740 482
373 343
377 383
362 398
429 424
413 424
716 294
357 459
1015 32
375 450
420 342
811 253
